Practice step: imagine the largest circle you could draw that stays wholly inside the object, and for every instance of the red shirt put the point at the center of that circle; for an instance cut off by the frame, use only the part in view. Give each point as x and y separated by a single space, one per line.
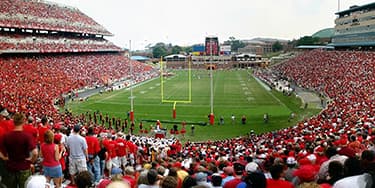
48 152
110 145
42 129
93 146
121 147
2 133
17 145
7 125
130 180
29 128
271 183
132 147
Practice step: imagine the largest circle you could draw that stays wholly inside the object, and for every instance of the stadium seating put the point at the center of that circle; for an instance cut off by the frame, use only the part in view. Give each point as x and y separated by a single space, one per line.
52 44
47 16
32 83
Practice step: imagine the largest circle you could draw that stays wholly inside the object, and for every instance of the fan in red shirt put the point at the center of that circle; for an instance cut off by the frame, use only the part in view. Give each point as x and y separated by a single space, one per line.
121 150
93 149
277 172
42 129
6 124
132 149
110 145
29 128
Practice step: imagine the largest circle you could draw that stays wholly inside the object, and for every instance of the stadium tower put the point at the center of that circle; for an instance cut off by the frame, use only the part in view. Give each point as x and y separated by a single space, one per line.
48 49
355 28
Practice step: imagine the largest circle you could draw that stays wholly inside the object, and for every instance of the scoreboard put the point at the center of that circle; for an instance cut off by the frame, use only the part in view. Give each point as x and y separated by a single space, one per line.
212 46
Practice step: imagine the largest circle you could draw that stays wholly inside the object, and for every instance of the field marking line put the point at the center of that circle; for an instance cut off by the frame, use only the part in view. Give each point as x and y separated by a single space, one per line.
270 93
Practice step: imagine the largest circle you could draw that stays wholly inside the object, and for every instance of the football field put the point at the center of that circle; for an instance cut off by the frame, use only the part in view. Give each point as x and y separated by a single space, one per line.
236 93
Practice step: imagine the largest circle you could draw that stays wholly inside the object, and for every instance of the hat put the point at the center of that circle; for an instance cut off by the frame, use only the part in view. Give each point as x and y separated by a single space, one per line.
200 176
306 173
4 113
291 161
116 170
311 157
177 165
228 170
57 138
147 166
251 167
36 181
347 152
76 128
238 167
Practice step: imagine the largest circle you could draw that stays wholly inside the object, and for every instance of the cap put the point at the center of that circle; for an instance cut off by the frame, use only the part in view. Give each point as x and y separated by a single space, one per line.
147 166
35 181
200 176
291 161
57 138
116 170
4 113
306 173
251 167
177 165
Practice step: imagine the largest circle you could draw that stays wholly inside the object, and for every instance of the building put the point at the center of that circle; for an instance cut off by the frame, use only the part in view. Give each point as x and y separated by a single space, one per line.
324 35
261 46
355 27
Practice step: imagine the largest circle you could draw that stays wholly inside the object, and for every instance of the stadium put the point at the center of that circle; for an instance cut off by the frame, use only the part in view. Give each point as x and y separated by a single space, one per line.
77 111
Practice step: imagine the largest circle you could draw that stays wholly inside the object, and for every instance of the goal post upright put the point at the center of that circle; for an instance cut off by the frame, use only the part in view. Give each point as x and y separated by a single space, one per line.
162 88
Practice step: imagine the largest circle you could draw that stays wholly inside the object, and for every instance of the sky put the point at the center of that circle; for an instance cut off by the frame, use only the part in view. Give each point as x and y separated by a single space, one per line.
146 22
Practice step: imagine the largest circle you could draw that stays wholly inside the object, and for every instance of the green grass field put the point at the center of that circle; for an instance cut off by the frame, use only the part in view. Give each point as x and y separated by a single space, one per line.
235 92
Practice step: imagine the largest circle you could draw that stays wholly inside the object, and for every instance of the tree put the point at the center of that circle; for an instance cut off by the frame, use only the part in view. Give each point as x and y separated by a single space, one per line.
308 40
234 44
187 49
176 49
159 50
277 46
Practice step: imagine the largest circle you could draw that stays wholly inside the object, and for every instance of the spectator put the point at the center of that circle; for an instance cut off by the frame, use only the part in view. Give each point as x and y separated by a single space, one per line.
216 180
129 176
78 154
168 182
93 148
277 172
189 182
253 179
238 171
51 155
19 151
152 178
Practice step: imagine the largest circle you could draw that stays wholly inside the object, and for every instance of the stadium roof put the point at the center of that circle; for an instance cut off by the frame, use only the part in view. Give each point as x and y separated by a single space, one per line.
368 43
355 8
175 56
325 33
314 47
139 58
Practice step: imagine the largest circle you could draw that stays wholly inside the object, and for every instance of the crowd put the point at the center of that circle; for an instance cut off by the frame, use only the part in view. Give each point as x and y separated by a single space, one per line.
32 83
47 16
335 148
44 43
